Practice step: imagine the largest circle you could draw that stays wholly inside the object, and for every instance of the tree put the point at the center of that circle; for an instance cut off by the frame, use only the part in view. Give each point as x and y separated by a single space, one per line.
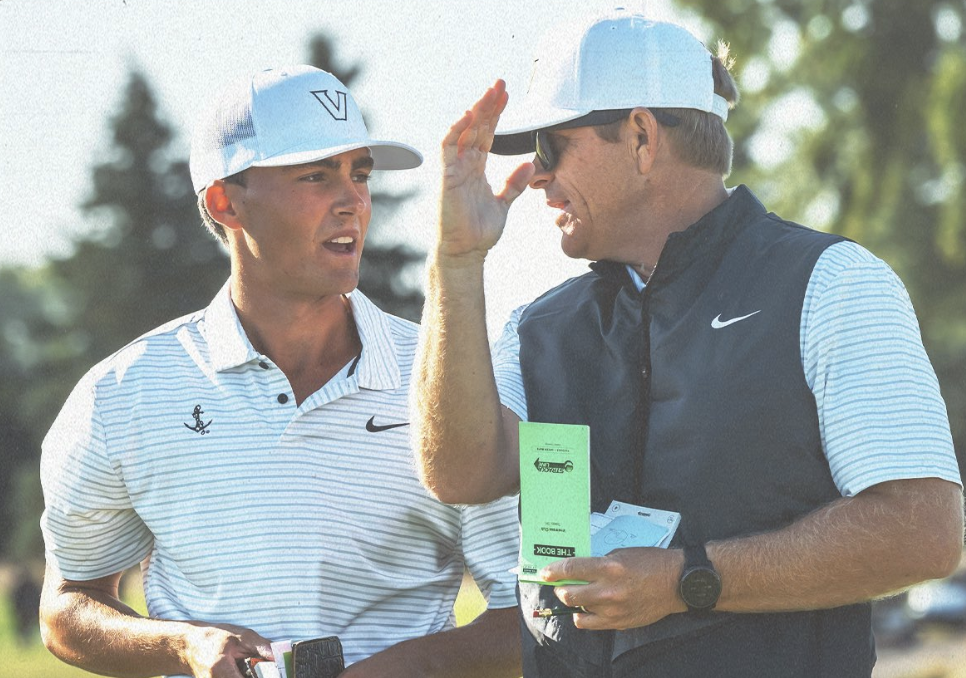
20 307
147 260
151 260
871 95
386 275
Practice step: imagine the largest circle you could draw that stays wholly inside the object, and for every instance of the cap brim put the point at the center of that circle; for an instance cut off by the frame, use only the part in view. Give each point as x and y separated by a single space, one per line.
386 155
392 155
513 144
514 134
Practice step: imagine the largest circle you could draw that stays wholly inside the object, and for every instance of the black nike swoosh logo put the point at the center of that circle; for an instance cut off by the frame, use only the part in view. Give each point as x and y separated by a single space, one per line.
372 428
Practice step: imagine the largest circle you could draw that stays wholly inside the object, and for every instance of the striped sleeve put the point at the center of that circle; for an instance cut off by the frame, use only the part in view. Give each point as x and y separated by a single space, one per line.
506 367
880 411
90 528
491 544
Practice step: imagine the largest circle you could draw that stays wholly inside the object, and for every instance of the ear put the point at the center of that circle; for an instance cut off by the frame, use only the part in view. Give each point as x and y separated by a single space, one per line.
644 136
220 206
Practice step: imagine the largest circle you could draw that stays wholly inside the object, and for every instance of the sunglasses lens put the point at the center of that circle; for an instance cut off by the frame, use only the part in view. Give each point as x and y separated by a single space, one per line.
544 151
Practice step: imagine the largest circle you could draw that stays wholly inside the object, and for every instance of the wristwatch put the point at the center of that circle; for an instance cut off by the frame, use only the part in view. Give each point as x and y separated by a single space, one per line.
700 583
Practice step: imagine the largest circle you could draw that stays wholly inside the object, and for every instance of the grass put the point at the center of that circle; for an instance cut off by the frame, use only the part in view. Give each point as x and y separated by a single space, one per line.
34 661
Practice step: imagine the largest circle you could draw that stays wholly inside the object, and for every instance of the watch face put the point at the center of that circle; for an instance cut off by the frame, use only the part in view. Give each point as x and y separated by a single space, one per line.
700 588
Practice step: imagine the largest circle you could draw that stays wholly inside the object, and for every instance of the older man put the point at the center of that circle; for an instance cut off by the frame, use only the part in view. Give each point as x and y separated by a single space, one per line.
764 380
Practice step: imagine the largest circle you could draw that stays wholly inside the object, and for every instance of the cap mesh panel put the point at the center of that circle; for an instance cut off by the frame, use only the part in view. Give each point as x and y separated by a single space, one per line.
231 123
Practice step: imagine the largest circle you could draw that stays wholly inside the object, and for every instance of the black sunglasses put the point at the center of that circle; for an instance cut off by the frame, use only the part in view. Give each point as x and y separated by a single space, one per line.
547 153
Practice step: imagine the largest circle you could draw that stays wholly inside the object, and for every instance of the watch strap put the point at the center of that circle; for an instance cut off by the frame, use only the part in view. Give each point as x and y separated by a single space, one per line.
695 555
700 584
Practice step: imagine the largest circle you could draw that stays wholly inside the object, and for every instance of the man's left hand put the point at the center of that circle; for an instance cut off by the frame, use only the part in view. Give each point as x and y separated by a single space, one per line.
627 588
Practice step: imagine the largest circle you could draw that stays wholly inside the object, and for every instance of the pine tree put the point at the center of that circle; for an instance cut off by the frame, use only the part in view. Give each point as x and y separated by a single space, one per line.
20 307
146 261
150 260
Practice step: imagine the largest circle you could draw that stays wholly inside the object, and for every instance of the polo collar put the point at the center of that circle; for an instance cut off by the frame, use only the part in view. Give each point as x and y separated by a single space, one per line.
378 368
229 347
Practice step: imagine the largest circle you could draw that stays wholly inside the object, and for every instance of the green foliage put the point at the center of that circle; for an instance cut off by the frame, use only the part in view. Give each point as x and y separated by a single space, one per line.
29 660
148 260
851 121
20 309
145 260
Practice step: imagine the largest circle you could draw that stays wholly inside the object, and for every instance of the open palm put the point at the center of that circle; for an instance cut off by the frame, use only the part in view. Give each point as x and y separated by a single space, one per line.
472 217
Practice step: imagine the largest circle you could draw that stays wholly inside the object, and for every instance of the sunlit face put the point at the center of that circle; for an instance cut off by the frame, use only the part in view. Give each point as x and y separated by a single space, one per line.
591 186
303 226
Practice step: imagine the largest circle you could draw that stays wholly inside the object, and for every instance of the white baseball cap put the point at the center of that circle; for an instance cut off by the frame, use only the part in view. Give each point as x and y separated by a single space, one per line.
615 61
285 116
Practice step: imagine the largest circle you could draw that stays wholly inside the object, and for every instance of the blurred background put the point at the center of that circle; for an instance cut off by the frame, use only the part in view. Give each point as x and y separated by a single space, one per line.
851 121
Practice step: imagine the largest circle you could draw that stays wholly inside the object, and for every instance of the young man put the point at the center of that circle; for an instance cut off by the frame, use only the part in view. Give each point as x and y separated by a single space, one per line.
766 381
254 456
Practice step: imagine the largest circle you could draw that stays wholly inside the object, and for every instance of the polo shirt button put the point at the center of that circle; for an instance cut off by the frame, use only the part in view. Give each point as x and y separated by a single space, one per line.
282 398
263 365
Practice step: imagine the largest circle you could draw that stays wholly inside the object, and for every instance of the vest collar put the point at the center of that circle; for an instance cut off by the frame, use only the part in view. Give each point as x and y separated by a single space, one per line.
705 237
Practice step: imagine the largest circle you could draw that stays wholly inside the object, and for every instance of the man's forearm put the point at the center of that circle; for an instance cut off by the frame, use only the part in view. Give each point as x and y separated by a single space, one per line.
487 648
84 624
855 549
876 543
100 634
458 428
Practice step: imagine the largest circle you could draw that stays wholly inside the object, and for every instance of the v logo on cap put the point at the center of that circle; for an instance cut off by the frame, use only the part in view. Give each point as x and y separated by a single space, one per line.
337 109
270 119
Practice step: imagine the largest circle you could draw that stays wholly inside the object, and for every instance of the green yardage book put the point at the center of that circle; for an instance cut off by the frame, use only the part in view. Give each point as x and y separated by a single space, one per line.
554 495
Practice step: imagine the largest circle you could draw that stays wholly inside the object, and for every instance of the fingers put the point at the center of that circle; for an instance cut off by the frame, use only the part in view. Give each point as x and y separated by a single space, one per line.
628 588
215 649
583 569
517 182
486 113
256 644
475 129
264 649
580 569
226 667
570 596
250 644
451 140
499 105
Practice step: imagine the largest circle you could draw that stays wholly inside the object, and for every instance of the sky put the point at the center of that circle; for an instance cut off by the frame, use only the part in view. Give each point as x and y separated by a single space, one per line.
64 66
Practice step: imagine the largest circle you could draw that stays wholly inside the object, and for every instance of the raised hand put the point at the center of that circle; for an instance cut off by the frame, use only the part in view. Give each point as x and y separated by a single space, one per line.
472 217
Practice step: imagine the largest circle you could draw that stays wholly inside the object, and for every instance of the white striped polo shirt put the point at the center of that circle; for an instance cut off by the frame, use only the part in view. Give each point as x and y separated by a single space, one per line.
879 407
185 450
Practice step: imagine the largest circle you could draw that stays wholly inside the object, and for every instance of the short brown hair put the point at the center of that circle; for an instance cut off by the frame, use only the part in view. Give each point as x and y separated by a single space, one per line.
699 139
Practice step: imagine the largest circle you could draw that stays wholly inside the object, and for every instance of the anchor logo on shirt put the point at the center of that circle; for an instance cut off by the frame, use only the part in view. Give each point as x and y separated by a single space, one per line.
198 427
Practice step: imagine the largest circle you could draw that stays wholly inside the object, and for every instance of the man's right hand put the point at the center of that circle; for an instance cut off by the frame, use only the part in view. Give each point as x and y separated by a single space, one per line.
472 218
467 454
214 650
84 623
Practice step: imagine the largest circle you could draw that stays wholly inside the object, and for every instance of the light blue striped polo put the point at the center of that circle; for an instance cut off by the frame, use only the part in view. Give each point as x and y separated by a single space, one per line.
185 451
880 410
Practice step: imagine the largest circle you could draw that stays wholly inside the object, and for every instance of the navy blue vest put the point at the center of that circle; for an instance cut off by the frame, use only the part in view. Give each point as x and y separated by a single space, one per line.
692 413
